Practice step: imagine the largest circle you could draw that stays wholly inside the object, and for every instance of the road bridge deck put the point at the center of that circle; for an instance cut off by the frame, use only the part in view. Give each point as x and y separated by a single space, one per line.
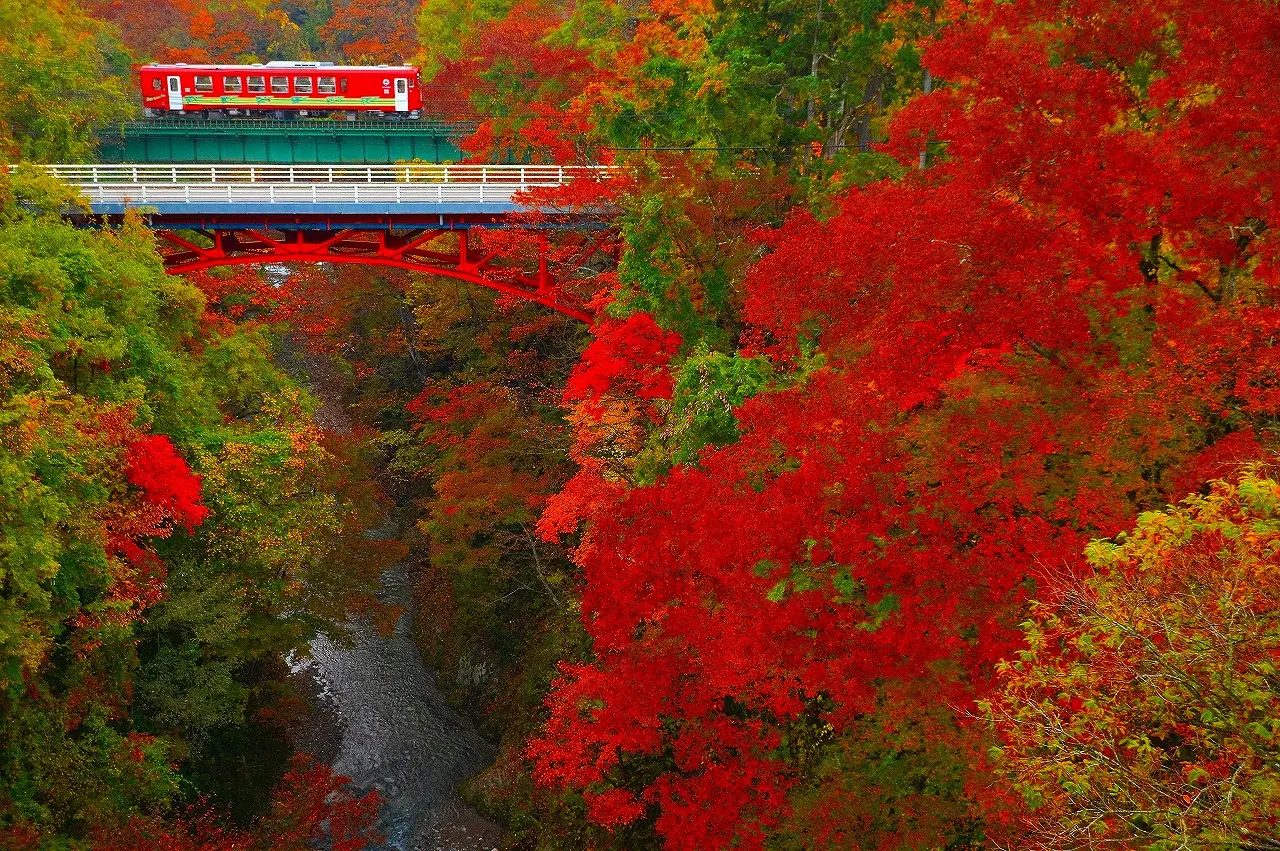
417 217
423 193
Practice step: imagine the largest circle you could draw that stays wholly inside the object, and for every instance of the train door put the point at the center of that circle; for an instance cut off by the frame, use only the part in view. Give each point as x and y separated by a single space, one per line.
175 94
402 94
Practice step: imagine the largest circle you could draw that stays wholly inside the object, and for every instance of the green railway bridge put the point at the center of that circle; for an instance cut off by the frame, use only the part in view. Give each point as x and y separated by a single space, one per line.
298 142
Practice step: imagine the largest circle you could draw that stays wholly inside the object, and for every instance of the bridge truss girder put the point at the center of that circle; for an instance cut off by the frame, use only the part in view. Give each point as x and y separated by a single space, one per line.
406 249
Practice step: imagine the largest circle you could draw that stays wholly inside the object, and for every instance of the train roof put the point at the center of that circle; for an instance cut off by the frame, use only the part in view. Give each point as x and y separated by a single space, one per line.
275 66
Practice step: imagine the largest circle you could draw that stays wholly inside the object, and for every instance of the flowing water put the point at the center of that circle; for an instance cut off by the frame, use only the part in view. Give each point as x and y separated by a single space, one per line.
384 724
380 719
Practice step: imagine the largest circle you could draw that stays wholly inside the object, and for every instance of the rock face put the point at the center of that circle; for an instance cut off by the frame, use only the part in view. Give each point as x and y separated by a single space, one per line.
397 734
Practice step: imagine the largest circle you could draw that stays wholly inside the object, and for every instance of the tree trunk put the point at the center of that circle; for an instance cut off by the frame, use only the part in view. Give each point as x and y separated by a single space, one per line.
872 105
813 67
924 149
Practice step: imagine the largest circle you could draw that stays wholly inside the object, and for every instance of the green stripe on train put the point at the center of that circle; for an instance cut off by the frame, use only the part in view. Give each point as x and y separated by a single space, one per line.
328 100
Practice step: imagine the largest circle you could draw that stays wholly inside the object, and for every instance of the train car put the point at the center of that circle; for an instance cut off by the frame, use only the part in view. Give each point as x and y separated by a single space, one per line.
280 90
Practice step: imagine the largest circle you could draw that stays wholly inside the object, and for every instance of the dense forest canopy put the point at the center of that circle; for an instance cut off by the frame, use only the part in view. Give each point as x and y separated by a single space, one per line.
913 488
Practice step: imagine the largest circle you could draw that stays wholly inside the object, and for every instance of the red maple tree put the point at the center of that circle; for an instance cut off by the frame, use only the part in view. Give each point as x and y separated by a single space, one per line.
984 365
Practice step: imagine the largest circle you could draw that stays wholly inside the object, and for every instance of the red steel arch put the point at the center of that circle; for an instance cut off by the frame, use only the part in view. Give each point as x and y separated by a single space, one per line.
406 250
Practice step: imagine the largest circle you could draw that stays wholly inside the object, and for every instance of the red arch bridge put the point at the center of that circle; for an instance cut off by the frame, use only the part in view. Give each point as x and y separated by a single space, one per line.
380 215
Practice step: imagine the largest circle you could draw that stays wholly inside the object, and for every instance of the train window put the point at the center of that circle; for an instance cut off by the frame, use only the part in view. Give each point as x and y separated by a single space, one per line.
279 85
257 85
327 85
231 85
155 84
204 84
402 86
342 84
302 85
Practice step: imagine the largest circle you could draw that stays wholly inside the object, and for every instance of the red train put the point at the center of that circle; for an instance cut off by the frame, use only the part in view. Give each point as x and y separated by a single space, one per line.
280 90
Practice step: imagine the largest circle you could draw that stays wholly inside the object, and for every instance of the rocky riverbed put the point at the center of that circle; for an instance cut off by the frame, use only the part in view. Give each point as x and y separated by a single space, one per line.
382 722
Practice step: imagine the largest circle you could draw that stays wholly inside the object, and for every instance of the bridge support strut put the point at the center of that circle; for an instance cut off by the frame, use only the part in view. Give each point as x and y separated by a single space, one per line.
413 250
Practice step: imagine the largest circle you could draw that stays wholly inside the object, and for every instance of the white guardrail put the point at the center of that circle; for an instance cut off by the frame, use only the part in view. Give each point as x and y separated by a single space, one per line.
415 173
313 184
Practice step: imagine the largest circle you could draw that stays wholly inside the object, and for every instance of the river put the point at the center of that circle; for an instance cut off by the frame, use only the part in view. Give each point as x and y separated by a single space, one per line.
382 722
379 719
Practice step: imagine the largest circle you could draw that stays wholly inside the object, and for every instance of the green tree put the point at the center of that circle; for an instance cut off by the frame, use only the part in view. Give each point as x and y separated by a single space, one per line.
822 72
1144 711
60 81
170 526
447 27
